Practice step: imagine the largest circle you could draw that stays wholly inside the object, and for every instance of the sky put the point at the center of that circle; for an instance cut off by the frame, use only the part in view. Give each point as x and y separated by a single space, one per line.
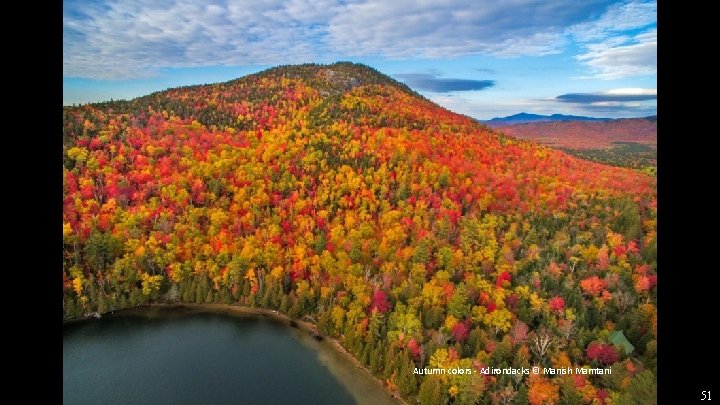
483 58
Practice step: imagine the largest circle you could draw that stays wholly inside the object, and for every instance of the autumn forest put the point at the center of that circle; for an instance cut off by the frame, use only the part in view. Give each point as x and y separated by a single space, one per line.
415 236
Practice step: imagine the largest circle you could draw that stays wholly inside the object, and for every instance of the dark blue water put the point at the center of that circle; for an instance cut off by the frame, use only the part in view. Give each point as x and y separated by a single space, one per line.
179 356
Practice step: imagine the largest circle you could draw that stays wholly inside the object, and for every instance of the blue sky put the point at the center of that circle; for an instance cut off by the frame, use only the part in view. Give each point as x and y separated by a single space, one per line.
483 58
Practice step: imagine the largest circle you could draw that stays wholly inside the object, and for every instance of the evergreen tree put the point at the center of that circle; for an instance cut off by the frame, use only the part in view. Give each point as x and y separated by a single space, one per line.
641 391
377 321
406 378
376 359
459 305
390 361
432 391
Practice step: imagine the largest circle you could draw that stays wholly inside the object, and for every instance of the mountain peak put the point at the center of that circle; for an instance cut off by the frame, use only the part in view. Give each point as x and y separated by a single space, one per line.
335 78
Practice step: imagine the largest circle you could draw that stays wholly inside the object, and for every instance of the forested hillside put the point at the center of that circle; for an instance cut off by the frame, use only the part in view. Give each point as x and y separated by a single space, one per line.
625 142
416 236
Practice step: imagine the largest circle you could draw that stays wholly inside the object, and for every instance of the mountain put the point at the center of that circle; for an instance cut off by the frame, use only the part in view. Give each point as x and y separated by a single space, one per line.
628 142
587 134
415 236
523 118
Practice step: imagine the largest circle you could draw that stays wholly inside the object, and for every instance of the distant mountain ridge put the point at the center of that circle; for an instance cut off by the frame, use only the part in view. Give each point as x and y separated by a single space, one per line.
523 118
577 134
625 142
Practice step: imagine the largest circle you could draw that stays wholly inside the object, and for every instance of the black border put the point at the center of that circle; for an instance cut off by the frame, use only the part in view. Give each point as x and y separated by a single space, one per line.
687 352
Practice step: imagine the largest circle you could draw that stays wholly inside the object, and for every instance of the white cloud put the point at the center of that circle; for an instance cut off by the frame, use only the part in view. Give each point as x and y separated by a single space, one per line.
131 38
450 28
636 57
613 47
633 91
619 95
617 18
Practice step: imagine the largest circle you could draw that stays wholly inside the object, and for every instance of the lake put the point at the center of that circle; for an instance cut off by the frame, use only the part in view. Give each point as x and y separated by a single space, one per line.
182 355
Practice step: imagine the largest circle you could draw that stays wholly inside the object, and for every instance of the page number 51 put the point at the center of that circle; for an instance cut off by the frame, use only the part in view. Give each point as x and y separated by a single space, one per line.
705 396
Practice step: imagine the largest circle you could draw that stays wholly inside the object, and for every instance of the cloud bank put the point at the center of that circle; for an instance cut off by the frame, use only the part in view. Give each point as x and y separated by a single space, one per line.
129 39
429 82
617 95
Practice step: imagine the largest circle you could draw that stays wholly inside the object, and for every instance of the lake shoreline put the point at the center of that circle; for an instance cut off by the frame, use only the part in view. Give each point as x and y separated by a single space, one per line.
306 326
